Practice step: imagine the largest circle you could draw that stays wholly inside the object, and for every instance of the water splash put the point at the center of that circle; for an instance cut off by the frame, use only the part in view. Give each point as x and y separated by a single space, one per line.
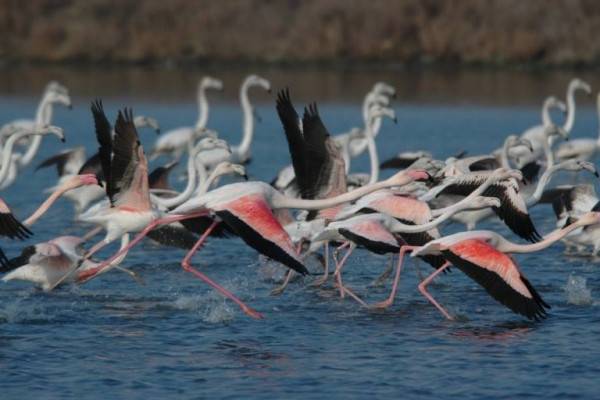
213 308
577 292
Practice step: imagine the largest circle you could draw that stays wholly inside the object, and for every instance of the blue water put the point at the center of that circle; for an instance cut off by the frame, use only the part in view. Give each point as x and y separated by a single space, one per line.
173 336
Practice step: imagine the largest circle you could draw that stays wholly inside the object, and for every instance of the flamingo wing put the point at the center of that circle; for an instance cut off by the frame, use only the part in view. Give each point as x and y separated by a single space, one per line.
93 166
250 217
159 178
129 167
512 210
372 235
291 126
326 173
63 161
498 274
10 226
104 137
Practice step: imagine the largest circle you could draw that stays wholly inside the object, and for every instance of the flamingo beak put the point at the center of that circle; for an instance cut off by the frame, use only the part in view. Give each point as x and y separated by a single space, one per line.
63 139
245 176
395 120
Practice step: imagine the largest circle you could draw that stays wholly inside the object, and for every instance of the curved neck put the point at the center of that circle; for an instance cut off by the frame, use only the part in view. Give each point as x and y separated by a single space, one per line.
43 114
449 211
43 117
570 110
202 108
547 143
47 204
186 193
7 152
504 155
209 181
373 157
244 146
281 201
202 179
541 185
510 247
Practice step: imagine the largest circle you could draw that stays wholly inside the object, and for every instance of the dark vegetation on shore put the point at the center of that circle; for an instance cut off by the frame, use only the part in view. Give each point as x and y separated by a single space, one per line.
486 32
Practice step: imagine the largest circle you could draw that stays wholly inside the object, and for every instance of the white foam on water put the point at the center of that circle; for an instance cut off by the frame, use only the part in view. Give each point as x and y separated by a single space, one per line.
577 292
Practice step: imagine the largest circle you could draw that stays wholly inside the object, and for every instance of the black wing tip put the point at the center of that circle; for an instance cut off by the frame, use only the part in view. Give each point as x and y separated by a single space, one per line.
12 228
97 106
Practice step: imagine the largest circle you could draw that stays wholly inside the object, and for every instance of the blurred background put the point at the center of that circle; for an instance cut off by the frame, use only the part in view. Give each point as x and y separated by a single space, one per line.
507 51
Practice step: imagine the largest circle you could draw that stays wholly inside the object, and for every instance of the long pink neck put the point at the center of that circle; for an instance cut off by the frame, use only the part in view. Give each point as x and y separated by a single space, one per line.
550 239
281 201
45 206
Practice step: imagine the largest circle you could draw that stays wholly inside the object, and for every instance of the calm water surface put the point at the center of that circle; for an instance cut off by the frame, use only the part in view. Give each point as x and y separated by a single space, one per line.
174 337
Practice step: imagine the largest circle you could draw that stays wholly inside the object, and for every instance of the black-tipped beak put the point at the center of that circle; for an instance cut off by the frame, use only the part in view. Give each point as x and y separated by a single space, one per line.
245 177
269 90
158 131
395 120
596 174
62 139
70 106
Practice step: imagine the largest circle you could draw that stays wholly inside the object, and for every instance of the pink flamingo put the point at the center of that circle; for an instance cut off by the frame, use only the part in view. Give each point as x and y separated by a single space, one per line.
484 257
246 208
382 234
13 229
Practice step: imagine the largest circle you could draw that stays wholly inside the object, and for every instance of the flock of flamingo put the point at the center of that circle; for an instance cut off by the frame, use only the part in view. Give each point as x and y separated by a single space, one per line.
314 207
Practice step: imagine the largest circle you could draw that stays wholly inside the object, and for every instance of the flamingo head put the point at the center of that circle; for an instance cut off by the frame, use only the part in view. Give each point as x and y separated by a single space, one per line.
52 130
86 180
578 165
255 80
385 89
484 202
141 121
208 82
580 84
515 141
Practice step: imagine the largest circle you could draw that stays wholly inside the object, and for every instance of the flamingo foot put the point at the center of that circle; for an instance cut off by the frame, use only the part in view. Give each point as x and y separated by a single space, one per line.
321 281
354 296
382 304
251 312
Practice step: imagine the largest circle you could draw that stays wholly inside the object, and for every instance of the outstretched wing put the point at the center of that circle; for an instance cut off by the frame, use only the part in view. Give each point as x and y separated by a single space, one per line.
104 137
129 167
291 126
499 276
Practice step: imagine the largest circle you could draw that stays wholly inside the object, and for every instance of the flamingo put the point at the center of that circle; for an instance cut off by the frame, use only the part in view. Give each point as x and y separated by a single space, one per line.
45 263
240 154
246 208
383 234
8 170
484 257
536 134
73 161
581 149
53 93
175 140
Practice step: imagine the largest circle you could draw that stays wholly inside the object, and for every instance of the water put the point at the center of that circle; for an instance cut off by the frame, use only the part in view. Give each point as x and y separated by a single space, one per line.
175 337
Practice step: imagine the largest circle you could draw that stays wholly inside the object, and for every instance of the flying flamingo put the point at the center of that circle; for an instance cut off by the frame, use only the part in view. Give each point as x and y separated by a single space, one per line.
46 263
13 229
380 234
246 208
484 257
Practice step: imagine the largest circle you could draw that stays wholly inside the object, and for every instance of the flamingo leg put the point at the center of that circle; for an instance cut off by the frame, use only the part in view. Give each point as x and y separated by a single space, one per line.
390 300
185 263
92 233
340 265
423 290
279 289
323 279
380 280
288 276
91 273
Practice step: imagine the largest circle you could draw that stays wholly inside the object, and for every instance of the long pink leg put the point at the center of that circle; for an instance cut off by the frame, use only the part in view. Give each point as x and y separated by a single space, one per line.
340 265
279 289
323 279
423 290
390 300
188 267
93 272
